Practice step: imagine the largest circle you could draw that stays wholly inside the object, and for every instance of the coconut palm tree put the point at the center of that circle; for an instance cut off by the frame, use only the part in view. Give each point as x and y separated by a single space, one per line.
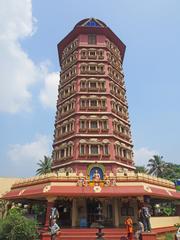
44 166
156 166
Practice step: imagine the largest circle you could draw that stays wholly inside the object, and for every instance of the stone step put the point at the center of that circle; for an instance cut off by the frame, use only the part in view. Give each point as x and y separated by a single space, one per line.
90 234
85 237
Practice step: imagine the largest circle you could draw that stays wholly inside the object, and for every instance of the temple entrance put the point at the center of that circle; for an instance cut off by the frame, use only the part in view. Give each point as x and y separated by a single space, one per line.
64 207
106 209
92 212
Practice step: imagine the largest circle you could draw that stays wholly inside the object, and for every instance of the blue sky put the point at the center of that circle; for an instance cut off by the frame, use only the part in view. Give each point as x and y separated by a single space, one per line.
29 33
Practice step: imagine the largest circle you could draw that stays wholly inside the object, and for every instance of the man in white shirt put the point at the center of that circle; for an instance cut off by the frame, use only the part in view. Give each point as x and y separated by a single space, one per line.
54 229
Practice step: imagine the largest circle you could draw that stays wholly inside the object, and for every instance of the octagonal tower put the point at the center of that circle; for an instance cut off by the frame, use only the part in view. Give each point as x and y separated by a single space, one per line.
92 125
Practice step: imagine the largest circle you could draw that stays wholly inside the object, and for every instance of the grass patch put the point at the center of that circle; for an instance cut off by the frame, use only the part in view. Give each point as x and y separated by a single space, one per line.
169 236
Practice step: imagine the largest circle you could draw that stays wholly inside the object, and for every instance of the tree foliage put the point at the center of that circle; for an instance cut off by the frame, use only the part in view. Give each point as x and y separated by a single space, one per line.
172 172
156 166
3 207
15 227
140 169
44 166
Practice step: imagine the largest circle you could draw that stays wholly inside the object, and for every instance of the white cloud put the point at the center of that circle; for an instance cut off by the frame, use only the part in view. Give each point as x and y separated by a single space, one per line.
142 155
18 71
48 94
26 156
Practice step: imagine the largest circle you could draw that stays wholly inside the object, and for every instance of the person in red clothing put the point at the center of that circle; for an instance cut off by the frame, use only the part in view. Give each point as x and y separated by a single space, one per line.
129 226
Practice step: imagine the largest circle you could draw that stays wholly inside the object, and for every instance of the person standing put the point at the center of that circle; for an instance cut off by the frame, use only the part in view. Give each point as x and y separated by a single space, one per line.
146 218
140 229
54 229
129 227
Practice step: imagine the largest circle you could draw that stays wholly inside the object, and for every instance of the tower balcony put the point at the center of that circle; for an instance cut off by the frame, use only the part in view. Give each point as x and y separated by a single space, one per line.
67 113
93 89
93 156
63 135
103 108
62 160
95 108
105 157
86 89
122 135
124 160
89 156
104 130
93 130
121 115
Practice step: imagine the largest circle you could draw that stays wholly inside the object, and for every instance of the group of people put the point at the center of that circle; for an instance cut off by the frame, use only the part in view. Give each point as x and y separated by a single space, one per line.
143 224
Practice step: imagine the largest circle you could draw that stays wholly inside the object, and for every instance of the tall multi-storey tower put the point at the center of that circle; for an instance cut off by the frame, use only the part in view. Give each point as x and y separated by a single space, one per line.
92 156
92 124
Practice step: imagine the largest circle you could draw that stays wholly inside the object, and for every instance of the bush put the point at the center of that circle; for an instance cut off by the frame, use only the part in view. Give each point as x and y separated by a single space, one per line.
169 236
15 227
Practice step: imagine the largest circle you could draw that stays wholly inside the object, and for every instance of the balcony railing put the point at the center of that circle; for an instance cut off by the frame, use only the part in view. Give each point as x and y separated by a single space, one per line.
93 130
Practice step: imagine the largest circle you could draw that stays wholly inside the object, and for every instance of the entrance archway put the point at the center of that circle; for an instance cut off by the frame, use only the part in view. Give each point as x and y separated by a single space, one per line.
92 211
64 207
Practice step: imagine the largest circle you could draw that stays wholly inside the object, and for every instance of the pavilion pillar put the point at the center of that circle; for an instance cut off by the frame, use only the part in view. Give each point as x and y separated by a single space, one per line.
178 210
74 212
116 212
50 205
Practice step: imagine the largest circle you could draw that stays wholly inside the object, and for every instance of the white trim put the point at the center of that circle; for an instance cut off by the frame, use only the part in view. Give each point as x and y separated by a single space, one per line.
94 135
93 161
97 113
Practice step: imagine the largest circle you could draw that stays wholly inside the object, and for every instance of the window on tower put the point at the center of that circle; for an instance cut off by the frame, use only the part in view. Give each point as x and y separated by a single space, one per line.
105 125
91 39
83 103
94 149
82 124
82 150
92 84
62 153
92 68
106 149
94 124
63 129
83 84
93 103
92 53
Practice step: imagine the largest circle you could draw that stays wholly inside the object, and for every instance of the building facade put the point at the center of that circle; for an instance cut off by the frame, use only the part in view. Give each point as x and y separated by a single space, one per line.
92 122
93 164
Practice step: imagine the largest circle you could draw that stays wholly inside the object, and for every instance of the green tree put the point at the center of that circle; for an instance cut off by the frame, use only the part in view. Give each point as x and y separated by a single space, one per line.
3 208
140 169
171 172
156 166
16 226
44 166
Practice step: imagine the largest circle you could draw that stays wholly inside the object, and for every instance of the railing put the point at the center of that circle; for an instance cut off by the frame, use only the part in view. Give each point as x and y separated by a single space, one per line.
118 177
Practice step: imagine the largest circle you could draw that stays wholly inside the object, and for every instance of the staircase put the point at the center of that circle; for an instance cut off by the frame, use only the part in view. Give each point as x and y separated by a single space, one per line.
90 234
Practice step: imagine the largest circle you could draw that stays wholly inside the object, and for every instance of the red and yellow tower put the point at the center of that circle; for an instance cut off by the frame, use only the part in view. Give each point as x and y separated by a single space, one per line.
92 123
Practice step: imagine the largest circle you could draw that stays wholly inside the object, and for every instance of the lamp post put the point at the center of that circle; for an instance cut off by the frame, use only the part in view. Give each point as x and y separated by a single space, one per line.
100 234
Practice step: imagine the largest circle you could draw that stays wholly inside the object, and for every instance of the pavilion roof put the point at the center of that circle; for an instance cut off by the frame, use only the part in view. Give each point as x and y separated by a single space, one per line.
48 190
74 185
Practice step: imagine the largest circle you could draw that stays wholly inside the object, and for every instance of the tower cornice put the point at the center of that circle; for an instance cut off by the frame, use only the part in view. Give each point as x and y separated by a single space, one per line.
91 30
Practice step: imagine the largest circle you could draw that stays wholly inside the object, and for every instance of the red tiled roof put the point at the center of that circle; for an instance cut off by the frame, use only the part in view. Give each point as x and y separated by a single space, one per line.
45 190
